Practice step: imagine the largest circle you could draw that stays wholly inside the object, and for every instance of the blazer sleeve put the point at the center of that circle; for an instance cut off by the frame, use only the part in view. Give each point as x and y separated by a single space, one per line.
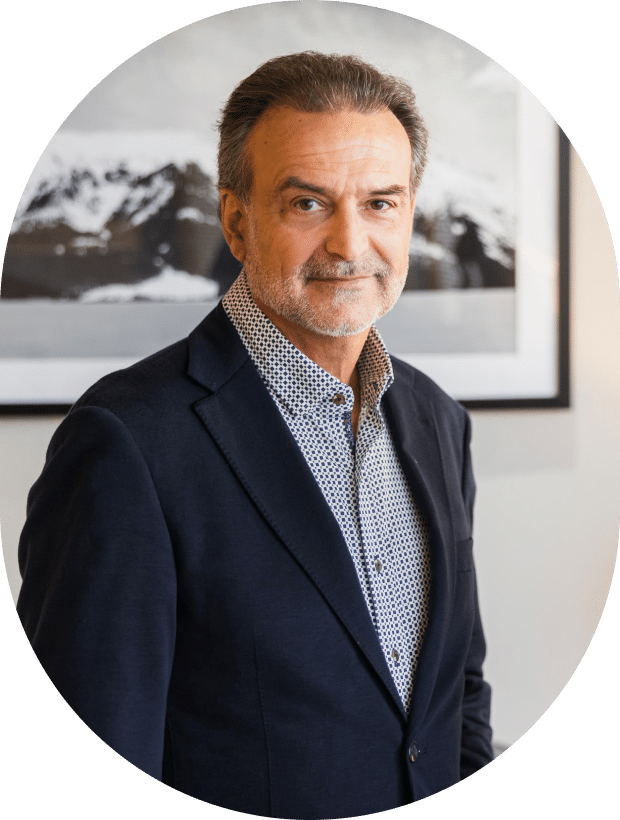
476 747
98 599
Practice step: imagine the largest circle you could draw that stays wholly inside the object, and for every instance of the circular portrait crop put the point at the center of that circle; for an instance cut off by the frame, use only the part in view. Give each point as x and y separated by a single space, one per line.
276 290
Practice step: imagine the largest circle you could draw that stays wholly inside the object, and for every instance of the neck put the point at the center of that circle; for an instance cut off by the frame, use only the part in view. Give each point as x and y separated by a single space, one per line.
337 355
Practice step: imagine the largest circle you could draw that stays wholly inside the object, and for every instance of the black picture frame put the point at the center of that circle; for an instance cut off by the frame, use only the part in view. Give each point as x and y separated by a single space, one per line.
38 378
562 397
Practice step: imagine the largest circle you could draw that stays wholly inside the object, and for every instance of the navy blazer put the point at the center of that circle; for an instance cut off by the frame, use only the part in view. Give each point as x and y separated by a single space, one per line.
189 592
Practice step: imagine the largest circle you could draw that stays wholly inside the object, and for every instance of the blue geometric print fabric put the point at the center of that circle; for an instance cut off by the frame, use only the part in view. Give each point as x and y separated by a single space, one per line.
361 478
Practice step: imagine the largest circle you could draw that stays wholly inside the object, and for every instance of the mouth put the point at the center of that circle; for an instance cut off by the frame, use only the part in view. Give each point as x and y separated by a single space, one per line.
339 280
345 275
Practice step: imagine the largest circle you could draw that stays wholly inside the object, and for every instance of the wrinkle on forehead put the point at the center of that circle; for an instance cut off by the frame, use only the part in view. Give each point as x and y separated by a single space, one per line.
288 143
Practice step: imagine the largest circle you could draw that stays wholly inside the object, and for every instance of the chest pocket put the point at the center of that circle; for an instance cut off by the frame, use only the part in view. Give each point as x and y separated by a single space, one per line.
464 555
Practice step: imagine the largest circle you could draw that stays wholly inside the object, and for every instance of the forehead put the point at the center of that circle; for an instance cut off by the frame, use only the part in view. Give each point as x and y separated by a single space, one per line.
326 148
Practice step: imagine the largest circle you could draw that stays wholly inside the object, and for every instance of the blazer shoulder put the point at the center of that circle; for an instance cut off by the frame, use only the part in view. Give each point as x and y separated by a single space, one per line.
428 390
145 383
175 377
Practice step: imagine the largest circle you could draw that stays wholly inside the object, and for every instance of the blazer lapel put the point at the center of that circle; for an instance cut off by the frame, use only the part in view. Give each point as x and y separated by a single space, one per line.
411 421
249 430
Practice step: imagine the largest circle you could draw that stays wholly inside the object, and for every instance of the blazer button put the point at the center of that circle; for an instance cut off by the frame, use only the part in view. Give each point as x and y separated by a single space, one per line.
413 752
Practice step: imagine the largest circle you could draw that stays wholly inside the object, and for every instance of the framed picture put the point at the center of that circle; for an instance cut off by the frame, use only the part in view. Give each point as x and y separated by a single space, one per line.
116 249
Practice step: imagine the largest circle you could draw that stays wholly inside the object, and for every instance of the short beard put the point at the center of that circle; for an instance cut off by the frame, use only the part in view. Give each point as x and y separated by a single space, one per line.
296 308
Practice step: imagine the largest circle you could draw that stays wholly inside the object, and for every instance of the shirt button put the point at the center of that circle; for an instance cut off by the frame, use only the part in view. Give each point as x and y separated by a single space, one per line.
414 752
395 655
378 565
339 399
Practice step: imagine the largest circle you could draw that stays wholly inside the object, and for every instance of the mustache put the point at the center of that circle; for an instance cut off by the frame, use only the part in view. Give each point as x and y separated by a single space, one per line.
334 269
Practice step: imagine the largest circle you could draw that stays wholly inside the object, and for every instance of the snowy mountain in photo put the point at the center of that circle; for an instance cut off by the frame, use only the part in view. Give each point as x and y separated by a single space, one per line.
447 188
81 179
104 213
167 286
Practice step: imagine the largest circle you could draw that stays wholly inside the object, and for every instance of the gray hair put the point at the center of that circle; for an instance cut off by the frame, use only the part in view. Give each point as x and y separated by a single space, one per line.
313 83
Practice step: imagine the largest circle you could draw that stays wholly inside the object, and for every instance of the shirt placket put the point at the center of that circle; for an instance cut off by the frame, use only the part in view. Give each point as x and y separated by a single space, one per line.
332 417
374 530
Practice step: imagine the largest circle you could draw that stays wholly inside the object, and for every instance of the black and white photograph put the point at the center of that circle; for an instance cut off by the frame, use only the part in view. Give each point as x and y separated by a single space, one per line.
118 227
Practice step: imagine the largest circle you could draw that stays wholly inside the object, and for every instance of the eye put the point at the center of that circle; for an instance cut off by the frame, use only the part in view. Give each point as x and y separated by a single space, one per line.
380 205
307 204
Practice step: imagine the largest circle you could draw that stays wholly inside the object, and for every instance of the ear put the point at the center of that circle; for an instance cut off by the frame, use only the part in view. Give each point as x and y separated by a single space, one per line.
234 220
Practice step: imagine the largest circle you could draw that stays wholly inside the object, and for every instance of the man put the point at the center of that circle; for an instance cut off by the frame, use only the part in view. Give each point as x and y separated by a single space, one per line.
248 562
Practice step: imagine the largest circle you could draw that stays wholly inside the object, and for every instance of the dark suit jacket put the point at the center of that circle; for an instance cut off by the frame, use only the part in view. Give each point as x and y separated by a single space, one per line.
189 592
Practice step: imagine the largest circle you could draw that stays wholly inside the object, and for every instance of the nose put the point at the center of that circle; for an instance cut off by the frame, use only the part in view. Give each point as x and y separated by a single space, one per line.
347 235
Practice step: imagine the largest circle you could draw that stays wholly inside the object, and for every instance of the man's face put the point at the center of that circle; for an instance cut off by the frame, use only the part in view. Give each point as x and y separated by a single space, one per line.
325 235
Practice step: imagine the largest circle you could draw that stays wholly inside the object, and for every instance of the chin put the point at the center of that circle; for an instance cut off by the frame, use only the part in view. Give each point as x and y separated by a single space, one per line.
346 316
340 326
337 321
347 312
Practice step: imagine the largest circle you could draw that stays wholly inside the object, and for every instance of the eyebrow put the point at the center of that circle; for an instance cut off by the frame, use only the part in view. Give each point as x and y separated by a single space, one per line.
297 182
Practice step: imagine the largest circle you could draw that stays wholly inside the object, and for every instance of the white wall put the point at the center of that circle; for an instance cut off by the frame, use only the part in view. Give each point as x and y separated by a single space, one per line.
546 524
548 496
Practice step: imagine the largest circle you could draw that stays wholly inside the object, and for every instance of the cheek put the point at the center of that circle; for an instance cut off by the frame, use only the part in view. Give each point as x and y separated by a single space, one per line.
393 239
279 247
396 253
403 249
297 248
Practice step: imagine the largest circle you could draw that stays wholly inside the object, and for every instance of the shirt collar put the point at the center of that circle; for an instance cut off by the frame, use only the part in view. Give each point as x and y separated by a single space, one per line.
299 383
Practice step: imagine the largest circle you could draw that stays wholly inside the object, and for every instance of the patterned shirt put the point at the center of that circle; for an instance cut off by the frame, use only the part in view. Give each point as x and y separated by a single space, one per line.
360 477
